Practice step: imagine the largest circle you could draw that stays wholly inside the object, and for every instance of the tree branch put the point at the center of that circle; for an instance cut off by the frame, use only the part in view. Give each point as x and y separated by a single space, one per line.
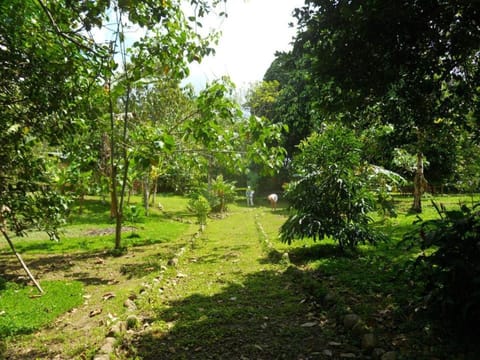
63 34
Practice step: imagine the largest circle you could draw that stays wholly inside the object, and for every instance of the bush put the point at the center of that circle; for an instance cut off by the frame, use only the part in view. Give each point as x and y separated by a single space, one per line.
331 196
200 207
219 193
449 268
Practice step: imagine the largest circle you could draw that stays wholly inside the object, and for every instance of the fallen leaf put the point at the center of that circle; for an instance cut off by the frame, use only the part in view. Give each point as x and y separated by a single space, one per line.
95 312
108 296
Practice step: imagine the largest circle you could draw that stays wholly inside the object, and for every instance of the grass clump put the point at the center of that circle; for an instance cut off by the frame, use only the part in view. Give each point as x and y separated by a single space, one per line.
23 310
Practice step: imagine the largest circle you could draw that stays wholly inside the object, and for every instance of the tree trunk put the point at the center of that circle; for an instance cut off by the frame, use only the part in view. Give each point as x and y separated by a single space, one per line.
146 194
118 229
21 260
418 185
113 196
154 192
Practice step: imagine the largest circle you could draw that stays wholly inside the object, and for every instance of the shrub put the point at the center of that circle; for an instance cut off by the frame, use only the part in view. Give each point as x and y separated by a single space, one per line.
219 193
330 197
449 267
200 206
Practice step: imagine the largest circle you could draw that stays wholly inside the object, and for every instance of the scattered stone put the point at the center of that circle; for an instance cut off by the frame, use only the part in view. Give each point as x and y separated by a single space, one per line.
391 355
309 324
173 262
327 352
108 296
350 320
102 357
348 356
117 328
368 341
95 312
334 343
99 261
108 345
130 305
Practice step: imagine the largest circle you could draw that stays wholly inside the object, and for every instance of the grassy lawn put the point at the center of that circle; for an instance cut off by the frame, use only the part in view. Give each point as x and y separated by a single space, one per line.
234 291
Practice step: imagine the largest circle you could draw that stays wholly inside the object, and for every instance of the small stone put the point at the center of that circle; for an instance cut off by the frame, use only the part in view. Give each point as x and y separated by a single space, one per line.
350 320
108 346
348 356
359 329
117 328
334 343
391 355
368 341
173 262
327 352
102 357
285 258
129 304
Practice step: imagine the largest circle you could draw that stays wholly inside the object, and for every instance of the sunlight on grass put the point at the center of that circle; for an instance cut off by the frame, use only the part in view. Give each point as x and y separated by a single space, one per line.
23 310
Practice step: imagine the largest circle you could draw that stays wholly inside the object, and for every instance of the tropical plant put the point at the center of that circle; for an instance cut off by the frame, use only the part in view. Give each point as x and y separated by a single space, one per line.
200 206
448 268
220 193
418 73
330 195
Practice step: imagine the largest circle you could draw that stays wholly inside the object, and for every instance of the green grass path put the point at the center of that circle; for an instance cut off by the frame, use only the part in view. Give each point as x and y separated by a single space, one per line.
230 301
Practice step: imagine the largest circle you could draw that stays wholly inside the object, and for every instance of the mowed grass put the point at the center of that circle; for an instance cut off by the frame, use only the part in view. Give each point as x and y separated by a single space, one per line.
237 291
93 230
23 309
87 237
229 300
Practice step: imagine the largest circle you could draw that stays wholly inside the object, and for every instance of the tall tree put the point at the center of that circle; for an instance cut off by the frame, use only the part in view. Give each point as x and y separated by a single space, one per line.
47 71
412 63
170 44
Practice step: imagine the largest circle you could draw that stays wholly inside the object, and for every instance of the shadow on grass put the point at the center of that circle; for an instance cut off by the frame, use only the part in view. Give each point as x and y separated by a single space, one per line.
305 254
93 212
264 318
10 267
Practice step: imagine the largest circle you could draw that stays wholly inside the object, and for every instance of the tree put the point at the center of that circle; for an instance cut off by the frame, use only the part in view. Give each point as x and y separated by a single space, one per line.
170 45
329 196
47 72
411 63
294 103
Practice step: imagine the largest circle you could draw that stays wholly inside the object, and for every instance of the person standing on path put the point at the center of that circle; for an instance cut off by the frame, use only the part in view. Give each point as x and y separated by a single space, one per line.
249 195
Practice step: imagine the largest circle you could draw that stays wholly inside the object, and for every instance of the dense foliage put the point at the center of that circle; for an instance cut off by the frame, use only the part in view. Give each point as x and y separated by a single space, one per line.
330 195
411 66
449 268
42 85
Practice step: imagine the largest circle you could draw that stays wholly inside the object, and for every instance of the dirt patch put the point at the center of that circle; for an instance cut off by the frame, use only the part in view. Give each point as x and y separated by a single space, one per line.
108 231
